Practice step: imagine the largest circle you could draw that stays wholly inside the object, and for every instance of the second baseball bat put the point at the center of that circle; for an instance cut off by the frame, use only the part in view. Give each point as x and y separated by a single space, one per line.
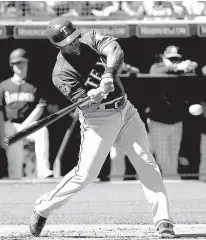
43 122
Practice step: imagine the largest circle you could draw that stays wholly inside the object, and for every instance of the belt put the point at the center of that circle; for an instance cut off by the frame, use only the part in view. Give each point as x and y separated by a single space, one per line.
114 105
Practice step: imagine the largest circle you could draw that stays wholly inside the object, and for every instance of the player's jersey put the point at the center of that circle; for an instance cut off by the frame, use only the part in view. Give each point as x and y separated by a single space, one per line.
75 75
17 101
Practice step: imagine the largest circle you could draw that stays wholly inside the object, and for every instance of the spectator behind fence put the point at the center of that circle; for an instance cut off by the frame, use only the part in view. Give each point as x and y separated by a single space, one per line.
21 105
133 9
11 9
104 8
166 112
194 9
153 10
157 10
66 8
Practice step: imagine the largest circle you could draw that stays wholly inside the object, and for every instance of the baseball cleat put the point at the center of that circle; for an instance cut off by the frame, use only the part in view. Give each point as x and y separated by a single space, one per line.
37 223
165 230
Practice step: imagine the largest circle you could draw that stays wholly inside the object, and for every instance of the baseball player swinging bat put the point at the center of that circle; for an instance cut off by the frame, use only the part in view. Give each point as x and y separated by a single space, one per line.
43 122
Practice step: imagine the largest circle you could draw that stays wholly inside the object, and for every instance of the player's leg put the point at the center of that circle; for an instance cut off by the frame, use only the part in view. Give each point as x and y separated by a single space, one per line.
98 133
41 140
14 152
134 142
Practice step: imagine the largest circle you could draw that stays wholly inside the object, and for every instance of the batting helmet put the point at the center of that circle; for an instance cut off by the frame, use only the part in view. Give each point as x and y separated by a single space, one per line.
18 55
61 31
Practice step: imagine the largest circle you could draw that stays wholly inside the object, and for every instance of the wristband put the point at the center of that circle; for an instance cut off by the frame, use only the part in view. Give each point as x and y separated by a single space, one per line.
111 70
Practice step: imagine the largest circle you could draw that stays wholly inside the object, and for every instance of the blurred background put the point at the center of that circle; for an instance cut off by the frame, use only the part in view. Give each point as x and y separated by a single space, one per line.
164 76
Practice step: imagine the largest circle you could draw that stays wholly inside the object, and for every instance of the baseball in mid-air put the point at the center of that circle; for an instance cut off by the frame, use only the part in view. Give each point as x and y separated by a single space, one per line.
196 109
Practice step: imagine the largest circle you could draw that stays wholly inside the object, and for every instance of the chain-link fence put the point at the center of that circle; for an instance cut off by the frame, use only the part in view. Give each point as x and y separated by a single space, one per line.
144 10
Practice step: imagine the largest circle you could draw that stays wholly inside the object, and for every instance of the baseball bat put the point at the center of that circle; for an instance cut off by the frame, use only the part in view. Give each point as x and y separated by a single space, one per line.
43 122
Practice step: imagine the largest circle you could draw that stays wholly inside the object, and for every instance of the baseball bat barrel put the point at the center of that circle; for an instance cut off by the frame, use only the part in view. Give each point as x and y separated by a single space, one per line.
43 122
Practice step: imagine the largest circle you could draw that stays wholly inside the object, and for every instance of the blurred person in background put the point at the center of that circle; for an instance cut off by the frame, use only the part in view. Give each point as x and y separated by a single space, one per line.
172 62
66 8
99 8
133 9
179 11
167 110
153 9
104 8
194 126
157 10
194 9
39 9
11 9
21 105
51 8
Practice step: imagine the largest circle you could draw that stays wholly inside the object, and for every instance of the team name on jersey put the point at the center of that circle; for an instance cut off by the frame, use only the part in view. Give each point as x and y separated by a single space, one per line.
18 97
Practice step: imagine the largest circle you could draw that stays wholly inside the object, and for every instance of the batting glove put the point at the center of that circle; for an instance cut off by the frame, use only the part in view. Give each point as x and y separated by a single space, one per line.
96 95
107 83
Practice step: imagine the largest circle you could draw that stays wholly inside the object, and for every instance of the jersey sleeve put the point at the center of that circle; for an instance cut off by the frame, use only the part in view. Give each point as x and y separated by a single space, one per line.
98 41
69 86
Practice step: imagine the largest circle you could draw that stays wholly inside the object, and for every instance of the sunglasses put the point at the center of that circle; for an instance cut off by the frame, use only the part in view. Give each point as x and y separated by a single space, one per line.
19 63
174 59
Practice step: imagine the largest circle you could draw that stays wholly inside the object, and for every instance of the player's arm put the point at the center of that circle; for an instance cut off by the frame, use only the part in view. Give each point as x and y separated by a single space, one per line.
33 116
109 48
73 90
38 107
157 68
114 55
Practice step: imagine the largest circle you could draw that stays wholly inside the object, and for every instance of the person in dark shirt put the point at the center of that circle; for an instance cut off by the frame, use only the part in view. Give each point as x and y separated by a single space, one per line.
21 105
166 112
87 65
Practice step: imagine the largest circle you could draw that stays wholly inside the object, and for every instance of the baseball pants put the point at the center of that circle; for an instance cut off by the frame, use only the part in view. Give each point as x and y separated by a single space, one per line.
100 130
15 153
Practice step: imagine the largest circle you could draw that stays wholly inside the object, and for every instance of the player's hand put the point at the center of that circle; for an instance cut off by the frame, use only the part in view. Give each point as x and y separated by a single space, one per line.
187 66
107 83
191 66
96 95
182 66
